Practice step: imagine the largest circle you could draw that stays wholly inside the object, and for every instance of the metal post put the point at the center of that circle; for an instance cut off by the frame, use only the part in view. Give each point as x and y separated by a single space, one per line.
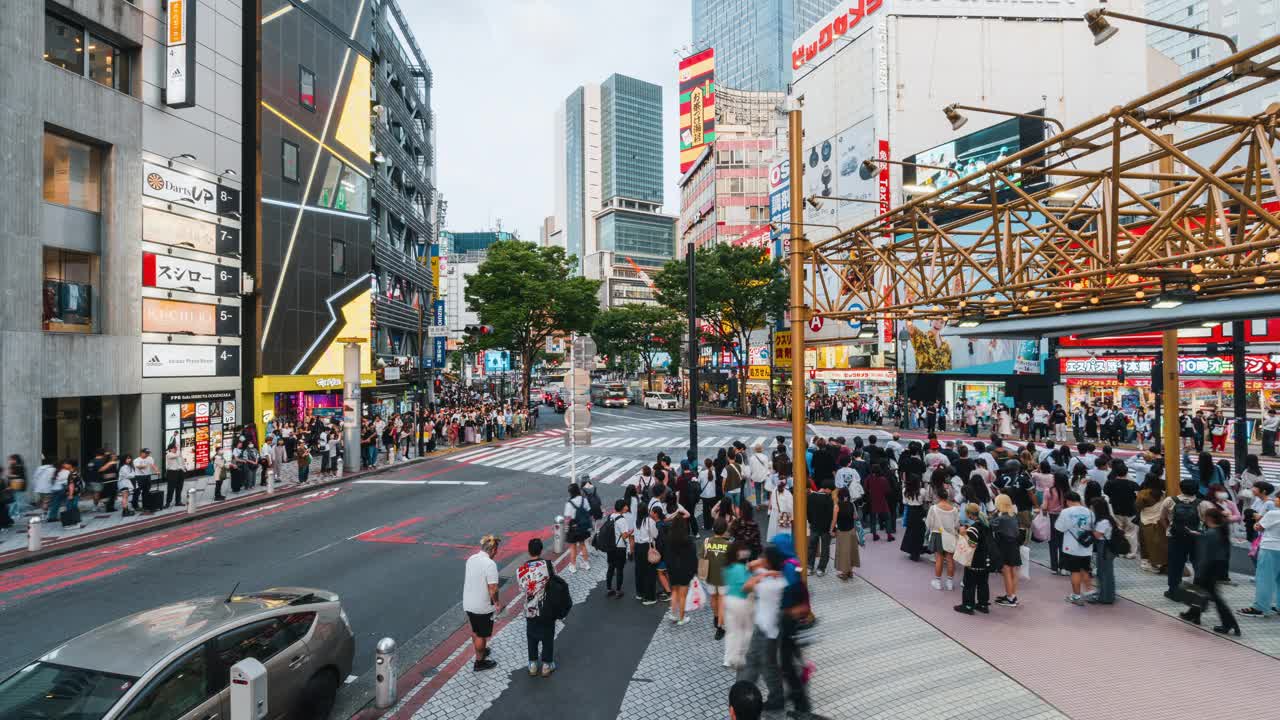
798 245
34 528
572 411
191 501
351 403
1170 426
417 385
384 679
557 539
694 351
1238 389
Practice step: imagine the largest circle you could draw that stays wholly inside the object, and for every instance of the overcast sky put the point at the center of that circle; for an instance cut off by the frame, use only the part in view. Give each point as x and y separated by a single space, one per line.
501 68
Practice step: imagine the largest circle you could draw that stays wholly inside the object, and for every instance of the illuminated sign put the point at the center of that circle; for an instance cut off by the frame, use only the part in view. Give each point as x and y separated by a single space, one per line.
173 316
180 61
697 105
173 273
1187 365
822 36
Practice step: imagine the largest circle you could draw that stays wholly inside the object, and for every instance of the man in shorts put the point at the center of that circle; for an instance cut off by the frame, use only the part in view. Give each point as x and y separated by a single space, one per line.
480 599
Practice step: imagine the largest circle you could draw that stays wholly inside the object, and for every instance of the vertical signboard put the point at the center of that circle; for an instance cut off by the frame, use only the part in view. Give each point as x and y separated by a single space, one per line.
180 63
439 346
199 424
697 105
435 272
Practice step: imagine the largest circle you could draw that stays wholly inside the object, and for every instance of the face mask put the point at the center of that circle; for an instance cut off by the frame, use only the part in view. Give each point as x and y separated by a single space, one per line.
1223 496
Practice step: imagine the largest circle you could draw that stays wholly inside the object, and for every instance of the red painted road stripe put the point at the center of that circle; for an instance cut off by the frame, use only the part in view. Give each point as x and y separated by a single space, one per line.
68 583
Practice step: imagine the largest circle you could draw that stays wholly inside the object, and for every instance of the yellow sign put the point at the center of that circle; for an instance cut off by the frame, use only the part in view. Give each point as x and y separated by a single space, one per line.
697 116
177 32
782 346
435 275
758 372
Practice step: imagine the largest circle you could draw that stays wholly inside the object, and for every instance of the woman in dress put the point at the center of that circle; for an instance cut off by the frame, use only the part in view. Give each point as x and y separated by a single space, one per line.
124 483
681 558
1004 526
1152 538
780 508
915 497
1006 422
941 523
846 529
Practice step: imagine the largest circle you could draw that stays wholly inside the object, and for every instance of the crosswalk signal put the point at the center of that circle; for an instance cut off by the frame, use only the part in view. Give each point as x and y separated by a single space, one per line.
1120 373
439 385
1269 371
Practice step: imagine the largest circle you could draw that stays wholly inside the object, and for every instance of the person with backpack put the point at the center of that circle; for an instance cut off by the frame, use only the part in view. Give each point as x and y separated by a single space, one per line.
540 614
1182 517
1004 528
711 564
577 512
1075 523
1108 540
593 499
1214 554
616 539
975 595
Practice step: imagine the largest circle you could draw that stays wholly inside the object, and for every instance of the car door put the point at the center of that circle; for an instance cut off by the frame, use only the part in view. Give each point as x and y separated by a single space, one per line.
184 690
277 643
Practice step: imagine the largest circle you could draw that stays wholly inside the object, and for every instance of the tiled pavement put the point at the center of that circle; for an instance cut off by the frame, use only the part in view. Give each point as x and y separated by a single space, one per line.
1053 649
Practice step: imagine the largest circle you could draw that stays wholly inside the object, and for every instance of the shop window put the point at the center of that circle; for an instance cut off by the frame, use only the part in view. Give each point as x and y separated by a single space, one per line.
306 88
344 189
289 161
70 284
72 173
337 257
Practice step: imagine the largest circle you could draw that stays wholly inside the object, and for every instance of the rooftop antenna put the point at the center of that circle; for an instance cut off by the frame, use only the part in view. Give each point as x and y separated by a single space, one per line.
232 593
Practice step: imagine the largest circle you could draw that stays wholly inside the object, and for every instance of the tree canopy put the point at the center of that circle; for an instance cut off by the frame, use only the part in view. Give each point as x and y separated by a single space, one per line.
632 336
526 293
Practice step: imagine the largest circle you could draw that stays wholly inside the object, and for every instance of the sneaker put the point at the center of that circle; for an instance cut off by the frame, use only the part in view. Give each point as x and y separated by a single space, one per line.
984 609
1075 600
720 633
890 538
683 621
609 594
936 584
573 568
664 596
548 669
1251 612
950 585
1013 602
1003 601
533 669
485 664
649 602
820 573
586 564
670 616
965 609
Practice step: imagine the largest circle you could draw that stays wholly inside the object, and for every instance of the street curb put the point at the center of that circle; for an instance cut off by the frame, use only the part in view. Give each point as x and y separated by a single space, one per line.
17 558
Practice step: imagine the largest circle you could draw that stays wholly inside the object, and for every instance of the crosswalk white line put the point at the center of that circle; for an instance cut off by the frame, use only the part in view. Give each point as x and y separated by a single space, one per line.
545 461
515 460
607 442
602 467
631 442
621 472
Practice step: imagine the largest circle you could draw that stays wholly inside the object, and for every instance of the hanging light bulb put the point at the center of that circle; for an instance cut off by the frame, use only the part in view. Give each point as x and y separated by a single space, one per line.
1093 300
1133 277
1196 268
963 303
1140 294
1195 288
1273 257
1260 280
1026 308
1057 304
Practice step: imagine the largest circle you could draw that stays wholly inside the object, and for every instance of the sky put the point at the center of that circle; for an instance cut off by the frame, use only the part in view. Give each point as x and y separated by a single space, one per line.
501 68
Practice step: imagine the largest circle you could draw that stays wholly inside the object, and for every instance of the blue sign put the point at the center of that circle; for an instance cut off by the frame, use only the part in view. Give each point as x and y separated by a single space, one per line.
439 347
497 361
780 215
855 325
437 317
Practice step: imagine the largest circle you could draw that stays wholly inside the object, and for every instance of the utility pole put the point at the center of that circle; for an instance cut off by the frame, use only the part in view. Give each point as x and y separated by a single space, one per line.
799 243
694 353
1240 409
1170 428
417 385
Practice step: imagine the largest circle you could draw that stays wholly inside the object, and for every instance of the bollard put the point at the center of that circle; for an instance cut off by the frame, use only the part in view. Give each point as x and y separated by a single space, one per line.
271 481
557 541
191 501
34 527
384 678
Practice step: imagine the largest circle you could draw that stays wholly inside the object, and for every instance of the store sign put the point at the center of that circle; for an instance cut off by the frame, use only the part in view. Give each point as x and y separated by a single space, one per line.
176 317
439 349
172 186
853 375
437 313
167 228
199 425
173 273
815 42
782 347
1187 365
758 372
180 62
391 373
172 361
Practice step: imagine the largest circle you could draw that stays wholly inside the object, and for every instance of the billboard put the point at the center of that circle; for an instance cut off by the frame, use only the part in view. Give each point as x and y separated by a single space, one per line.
925 350
971 153
697 105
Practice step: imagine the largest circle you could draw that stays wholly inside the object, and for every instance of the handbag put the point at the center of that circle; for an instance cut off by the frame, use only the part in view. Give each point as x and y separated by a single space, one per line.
654 556
696 597
1193 595
1024 571
964 550
1040 528
948 542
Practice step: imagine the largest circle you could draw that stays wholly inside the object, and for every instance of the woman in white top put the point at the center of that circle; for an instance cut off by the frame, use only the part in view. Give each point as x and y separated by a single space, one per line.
780 509
1006 424
758 471
577 534
124 483
941 524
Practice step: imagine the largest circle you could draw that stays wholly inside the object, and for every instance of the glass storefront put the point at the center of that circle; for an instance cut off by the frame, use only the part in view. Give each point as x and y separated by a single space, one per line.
1194 394
976 392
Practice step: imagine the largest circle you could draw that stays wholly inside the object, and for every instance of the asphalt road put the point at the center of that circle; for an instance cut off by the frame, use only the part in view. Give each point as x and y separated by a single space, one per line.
392 547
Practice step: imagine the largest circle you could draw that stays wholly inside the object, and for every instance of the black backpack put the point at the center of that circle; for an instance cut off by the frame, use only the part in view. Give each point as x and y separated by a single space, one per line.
1184 519
556 603
606 539
582 515
594 501
1118 544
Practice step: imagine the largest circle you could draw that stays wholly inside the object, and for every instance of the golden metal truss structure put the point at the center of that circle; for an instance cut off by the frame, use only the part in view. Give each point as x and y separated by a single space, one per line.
1148 219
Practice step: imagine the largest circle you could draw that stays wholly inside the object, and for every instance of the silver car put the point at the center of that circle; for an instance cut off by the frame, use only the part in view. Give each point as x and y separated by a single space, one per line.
174 662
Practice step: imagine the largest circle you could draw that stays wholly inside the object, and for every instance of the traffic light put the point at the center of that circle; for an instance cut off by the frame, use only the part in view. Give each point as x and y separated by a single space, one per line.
439 385
1211 349
478 330
1157 375
1269 371
1120 372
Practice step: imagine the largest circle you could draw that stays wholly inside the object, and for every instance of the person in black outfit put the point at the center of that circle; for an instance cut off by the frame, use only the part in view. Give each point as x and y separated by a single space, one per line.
1213 555
821 514
824 463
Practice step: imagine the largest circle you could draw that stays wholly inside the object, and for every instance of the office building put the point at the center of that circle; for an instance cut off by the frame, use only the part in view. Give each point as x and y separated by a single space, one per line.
453 243
577 169
121 234
753 39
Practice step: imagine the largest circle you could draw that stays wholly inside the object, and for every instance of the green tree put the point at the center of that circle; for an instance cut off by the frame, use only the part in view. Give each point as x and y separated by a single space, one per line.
526 293
636 334
738 289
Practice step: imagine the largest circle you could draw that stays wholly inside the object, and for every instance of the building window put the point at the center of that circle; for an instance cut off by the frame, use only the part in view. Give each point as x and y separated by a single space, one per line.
69 282
289 161
1231 19
72 173
306 88
337 257
102 61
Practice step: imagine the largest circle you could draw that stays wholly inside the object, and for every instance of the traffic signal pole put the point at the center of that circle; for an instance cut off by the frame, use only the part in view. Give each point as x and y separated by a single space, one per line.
1240 409
799 243
694 353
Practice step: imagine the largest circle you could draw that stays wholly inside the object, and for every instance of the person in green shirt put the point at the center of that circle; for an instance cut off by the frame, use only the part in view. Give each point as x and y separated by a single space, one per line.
714 551
738 623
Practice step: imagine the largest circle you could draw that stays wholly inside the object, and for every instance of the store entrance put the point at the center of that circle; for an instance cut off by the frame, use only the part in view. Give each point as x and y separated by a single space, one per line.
71 428
974 392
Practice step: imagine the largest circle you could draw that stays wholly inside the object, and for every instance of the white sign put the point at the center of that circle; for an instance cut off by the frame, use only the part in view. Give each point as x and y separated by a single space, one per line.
169 185
391 373
438 331
875 375
174 273
180 66
816 322
159 360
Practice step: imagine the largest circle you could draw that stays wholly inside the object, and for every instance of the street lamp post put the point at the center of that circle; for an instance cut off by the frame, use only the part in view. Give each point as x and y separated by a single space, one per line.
694 351
799 245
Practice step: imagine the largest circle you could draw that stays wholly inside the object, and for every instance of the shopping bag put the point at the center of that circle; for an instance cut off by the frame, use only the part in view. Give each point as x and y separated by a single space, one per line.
1024 571
964 550
696 597
862 533
1040 528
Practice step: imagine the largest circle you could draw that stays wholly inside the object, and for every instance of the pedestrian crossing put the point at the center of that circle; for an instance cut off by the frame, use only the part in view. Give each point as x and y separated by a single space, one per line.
664 424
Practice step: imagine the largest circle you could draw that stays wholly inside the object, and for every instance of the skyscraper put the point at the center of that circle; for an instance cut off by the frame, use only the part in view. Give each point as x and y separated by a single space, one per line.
753 45
609 177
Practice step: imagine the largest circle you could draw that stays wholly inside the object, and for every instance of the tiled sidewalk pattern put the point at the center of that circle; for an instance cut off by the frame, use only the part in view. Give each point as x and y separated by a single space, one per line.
467 694
875 660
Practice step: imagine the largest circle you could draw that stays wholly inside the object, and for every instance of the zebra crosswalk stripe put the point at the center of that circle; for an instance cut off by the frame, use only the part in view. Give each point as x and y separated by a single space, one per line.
621 472
544 461
609 462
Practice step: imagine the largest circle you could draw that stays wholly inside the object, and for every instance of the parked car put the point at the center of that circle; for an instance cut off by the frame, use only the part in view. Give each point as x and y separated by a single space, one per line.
174 662
659 401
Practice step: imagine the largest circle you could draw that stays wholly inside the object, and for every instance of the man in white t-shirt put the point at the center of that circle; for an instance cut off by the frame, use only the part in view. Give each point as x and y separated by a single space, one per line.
480 598
1075 522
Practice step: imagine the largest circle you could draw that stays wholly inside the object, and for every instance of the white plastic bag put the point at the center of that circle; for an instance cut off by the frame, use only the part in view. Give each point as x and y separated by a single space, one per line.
1024 570
697 596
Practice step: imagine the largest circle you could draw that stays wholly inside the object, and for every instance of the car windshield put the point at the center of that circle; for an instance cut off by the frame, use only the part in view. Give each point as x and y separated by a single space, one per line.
45 691
662 396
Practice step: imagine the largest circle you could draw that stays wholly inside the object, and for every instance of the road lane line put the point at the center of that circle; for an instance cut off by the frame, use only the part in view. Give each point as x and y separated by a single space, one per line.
389 482
620 472
160 553
366 532
319 549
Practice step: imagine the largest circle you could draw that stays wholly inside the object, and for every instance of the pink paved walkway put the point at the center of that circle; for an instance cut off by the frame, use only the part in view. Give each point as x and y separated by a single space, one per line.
1094 662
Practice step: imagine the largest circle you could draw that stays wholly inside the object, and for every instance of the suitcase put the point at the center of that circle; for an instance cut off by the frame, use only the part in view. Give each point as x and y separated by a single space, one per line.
154 500
71 514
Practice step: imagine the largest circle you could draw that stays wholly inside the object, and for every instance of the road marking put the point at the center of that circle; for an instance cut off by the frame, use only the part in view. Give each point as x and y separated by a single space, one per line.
320 549
457 482
619 473
389 482
260 508
160 553
366 532
350 679
600 469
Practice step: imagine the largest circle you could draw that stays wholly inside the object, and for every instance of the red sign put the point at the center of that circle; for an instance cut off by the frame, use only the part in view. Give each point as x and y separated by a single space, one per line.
816 322
1256 331
811 43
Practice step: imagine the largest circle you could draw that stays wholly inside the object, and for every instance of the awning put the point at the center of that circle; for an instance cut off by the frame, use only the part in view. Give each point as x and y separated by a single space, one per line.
1124 321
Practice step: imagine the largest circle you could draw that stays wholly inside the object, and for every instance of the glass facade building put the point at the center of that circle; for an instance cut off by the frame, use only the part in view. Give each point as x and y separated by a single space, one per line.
631 139
644 237
753 39
465 242
575 172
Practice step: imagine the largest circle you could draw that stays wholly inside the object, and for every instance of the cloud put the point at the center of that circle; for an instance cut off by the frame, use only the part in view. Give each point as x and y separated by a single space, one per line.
501 69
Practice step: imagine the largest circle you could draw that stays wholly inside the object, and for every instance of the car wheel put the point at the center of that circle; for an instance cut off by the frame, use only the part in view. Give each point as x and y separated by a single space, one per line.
318 697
